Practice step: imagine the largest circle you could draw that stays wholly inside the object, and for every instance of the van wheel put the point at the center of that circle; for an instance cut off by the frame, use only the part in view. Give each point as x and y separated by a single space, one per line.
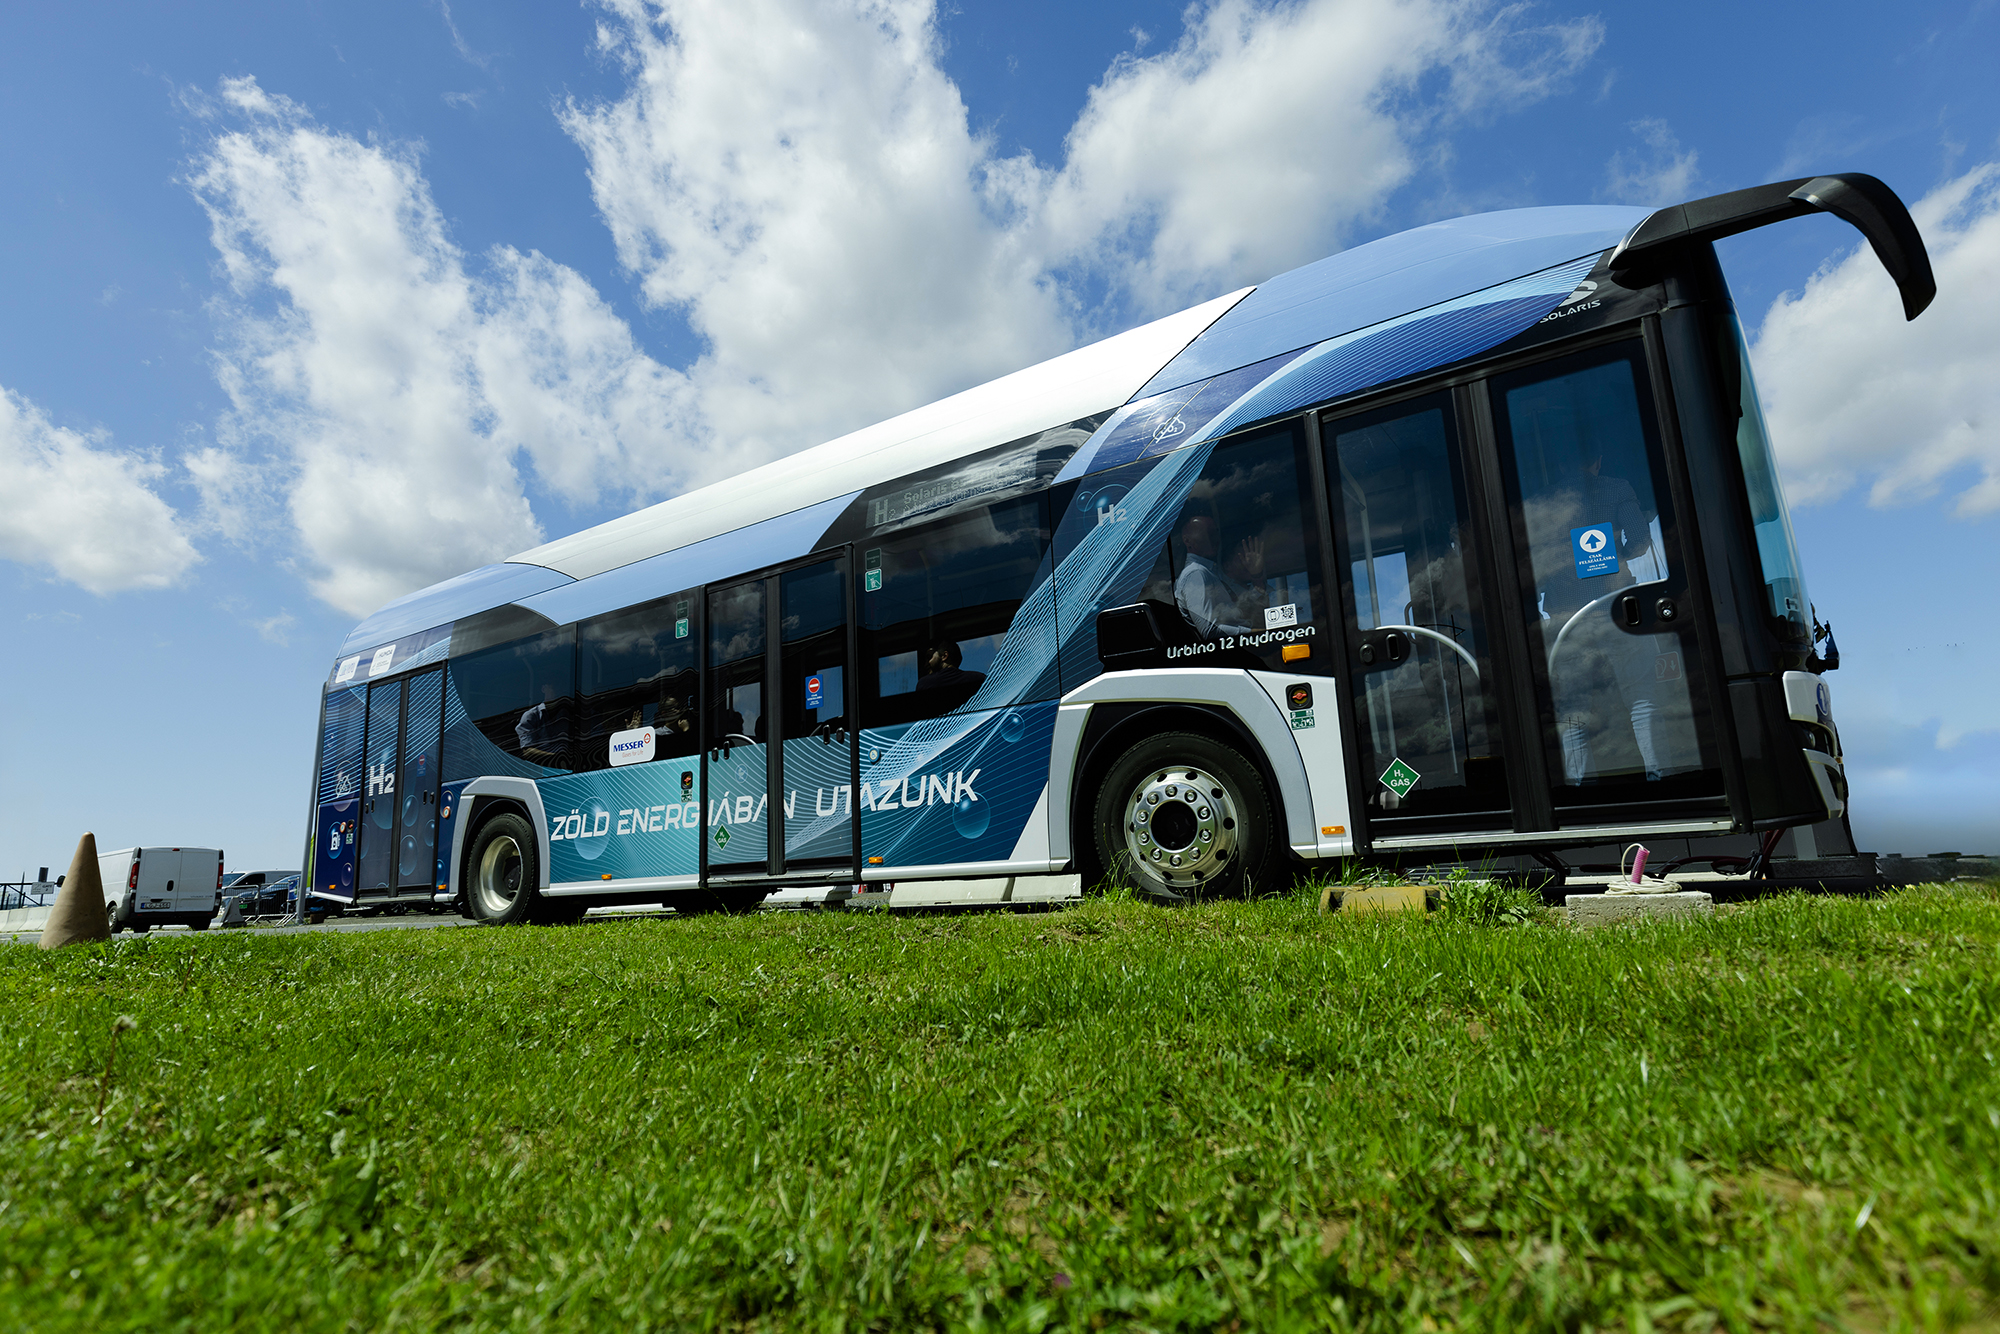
198 926
1181 816
503 871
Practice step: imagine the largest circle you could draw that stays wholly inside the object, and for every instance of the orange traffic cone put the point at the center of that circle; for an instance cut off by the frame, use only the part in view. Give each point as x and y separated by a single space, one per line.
78 914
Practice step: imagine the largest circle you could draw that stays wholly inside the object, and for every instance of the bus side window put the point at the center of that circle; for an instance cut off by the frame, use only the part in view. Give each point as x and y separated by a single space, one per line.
519 696
1226 542
936 604
636 669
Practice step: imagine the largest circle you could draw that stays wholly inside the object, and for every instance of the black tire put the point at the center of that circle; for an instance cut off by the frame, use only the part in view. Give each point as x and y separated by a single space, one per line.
198 926
503 873
316 918
1181 816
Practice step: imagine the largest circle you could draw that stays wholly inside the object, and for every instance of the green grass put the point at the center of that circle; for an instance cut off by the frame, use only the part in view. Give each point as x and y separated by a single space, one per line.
1235 1115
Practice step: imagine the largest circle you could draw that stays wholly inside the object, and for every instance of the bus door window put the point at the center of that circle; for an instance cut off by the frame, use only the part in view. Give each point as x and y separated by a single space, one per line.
817 766
376 853
417 797
636 670
1420 663
938 603
509 707
738 784
1585 474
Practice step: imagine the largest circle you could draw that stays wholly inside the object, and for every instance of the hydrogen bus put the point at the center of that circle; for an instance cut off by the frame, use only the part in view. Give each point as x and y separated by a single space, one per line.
1463 543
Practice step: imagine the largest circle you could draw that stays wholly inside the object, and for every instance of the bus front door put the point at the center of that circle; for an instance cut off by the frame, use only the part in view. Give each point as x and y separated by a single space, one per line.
1520 629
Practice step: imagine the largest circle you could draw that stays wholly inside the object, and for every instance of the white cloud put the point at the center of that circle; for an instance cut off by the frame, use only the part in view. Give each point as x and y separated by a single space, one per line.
1271 134
1657 174
1854 394
84 510
797 180
382 387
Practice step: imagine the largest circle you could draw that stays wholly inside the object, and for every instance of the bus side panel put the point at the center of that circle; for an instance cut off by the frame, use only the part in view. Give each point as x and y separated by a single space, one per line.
955 789
449 796
333 851
641 820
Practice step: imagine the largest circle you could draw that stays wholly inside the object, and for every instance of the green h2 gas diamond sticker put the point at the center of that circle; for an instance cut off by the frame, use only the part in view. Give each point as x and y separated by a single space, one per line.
1399 778
722 836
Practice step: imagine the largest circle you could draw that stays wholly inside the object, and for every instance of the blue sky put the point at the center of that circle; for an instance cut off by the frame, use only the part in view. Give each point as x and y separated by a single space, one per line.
312 304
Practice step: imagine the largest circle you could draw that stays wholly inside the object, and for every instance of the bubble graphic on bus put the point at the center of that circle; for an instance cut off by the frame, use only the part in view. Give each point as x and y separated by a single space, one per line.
970 815
1013 727
592 829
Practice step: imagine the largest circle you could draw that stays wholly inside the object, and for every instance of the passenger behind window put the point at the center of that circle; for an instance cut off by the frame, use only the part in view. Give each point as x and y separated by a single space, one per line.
946 684
1225 597
544 730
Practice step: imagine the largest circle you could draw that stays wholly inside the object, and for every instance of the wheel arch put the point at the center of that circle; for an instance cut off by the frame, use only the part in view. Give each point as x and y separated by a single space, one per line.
488 797
1101 718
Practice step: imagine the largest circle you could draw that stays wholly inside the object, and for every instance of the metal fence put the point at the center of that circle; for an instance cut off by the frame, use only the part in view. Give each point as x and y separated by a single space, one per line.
26 894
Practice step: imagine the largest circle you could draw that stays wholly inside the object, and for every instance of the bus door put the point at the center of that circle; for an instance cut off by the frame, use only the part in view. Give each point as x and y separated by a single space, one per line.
417 788
381 749
1604 591
1420 671
735 830
780 741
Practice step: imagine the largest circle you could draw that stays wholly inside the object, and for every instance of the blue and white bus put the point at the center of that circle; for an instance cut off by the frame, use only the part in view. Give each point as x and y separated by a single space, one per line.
1463 543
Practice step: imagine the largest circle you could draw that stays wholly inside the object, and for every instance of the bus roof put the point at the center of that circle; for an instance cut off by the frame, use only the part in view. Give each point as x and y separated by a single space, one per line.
784 499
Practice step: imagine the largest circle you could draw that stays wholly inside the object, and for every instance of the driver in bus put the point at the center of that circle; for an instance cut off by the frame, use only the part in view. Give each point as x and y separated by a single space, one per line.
1225 597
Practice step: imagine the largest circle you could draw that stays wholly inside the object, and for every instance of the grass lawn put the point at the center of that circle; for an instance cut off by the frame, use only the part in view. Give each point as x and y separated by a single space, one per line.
1240 1115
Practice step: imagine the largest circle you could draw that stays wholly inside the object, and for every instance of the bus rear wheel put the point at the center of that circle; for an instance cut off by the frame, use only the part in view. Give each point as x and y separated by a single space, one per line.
503 872
1181 816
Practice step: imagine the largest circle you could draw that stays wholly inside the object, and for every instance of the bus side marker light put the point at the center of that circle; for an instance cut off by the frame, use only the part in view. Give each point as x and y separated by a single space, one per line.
874 861
605 876
1330 830
1294 652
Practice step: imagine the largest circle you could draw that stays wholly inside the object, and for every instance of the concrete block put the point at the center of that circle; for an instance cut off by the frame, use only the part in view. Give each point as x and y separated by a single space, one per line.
1611 909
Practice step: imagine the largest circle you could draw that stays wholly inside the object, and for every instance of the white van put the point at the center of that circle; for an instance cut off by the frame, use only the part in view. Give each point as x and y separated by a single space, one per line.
149 887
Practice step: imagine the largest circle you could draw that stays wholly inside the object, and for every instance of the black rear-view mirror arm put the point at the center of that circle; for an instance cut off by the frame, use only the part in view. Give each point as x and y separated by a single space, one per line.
1865 203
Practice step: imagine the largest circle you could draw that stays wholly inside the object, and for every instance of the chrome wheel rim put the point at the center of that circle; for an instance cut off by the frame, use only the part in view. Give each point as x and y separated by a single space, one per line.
498 880
1182 827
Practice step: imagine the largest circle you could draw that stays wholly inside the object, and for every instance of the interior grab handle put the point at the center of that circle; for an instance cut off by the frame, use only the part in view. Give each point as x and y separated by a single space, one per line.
1446 640
1569 624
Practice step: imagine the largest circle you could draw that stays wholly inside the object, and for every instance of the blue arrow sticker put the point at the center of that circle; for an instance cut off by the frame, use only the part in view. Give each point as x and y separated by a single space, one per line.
1595 549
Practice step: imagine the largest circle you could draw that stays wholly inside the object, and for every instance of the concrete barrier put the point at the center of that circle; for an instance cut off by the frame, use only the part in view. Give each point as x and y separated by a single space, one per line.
24 919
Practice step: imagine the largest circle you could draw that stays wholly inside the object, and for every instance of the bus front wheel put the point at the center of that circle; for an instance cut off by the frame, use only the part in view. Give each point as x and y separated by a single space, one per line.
1181 816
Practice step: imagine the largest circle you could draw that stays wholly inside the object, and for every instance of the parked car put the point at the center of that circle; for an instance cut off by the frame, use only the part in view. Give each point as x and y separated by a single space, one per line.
266 899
